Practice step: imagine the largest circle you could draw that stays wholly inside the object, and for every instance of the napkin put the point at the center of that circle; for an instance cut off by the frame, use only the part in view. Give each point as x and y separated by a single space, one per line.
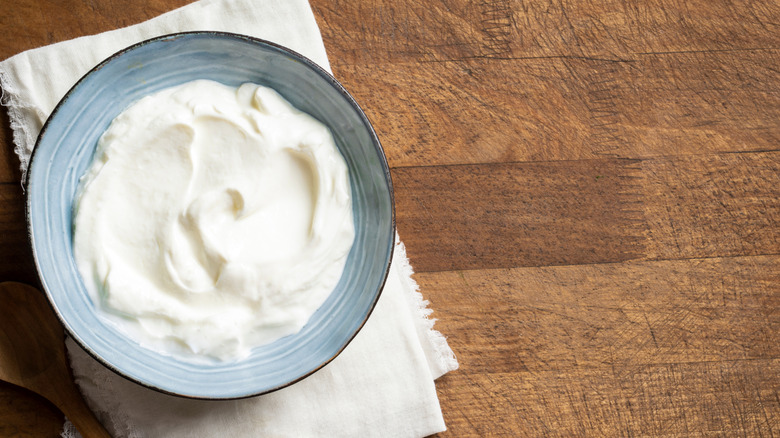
382 384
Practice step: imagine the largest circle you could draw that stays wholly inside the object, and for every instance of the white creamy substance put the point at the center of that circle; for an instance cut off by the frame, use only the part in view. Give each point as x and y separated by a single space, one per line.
213 220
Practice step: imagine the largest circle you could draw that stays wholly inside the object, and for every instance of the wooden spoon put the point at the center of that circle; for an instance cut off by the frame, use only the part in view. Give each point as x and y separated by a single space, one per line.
32 354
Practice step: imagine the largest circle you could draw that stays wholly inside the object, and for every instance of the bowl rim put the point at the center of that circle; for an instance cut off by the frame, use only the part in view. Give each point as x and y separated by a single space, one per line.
330 79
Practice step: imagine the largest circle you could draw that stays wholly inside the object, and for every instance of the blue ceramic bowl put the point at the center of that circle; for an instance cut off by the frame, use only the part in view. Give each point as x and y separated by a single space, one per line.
64 151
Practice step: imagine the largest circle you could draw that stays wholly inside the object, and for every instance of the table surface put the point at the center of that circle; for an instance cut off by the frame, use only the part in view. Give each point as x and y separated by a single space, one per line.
590 195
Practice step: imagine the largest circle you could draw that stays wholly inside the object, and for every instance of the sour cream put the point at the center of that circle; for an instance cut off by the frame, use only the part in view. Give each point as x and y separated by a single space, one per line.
212 220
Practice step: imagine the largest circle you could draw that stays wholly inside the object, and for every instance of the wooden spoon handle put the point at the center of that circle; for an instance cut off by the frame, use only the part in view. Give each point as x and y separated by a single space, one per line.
66 396
77 411
32 354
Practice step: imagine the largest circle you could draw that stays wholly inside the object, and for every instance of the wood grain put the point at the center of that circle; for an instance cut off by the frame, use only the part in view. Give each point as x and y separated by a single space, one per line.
587 190
723 398
386 31
594 211
483 111
615 314
499 81
489 216
662 348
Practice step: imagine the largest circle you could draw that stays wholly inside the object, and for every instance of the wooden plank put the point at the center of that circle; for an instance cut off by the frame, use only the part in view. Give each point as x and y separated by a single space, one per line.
715 205
382 31
623 314
387 31
498 81
701 399
478 111
506 215
671 348
576 212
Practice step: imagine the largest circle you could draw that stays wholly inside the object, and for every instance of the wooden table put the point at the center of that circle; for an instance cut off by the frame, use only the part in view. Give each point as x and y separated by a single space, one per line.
590 195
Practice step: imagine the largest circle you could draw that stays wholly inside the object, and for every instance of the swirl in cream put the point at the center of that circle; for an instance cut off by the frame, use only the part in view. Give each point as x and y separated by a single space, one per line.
213 219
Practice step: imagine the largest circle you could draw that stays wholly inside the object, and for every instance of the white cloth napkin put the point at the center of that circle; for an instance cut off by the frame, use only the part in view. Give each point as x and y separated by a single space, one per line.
381 385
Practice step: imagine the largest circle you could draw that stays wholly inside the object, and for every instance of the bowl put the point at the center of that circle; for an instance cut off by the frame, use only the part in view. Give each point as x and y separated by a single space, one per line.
63 153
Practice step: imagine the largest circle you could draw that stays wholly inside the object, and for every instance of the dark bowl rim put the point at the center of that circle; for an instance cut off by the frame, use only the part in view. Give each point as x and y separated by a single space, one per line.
329 78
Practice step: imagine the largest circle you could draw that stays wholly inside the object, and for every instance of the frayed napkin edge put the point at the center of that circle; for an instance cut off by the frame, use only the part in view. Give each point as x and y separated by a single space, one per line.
443 360
22 139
